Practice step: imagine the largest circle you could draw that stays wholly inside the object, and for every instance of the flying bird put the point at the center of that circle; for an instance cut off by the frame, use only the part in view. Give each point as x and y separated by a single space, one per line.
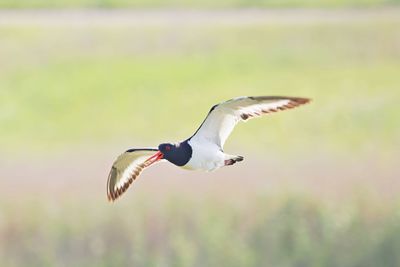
204 149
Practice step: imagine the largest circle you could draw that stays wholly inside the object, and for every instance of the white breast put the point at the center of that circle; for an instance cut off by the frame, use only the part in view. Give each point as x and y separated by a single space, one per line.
206 156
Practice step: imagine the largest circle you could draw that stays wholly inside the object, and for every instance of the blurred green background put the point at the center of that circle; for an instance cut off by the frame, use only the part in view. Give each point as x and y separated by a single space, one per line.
319 185
192 3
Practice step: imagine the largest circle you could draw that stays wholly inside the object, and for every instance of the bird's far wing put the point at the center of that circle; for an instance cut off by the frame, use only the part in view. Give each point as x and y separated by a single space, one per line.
127 167
223 117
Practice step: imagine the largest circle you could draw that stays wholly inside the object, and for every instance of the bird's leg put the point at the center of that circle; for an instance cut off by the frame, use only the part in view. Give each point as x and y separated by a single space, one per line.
232 160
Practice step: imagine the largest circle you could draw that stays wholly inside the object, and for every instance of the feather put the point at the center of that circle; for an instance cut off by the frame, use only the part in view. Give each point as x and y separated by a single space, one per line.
222 118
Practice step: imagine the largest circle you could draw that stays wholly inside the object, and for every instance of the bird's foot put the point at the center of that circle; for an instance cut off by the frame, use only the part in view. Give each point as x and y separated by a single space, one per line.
233 160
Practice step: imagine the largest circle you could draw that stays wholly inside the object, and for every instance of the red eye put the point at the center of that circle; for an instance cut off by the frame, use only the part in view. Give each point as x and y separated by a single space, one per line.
167 148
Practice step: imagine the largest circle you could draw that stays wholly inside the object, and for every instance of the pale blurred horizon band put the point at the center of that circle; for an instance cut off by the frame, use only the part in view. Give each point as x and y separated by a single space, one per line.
192 17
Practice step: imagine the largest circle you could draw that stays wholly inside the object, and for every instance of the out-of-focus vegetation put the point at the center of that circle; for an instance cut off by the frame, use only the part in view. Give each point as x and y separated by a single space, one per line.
266 232
63 86
193 3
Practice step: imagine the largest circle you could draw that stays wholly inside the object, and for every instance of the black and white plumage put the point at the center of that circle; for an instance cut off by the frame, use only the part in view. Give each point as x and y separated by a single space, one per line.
204 149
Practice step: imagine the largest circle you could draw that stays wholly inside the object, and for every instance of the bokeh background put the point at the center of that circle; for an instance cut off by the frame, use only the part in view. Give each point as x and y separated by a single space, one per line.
81 81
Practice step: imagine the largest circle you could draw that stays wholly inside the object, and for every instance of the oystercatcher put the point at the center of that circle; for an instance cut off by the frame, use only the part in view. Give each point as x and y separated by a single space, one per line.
204 149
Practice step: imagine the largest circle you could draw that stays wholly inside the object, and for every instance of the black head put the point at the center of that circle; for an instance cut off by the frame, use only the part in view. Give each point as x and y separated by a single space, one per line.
167 149
178 154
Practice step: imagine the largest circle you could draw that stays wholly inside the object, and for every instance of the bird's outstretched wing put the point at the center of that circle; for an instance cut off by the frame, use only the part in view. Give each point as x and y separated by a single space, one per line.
127 167
223 117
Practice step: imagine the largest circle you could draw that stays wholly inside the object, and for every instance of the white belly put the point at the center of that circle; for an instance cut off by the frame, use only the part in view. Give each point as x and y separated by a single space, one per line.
205 156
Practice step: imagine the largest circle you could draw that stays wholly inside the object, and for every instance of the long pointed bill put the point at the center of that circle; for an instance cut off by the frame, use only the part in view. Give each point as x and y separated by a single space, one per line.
153 159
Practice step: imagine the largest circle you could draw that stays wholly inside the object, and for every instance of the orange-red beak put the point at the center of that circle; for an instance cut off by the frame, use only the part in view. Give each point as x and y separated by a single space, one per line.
153 159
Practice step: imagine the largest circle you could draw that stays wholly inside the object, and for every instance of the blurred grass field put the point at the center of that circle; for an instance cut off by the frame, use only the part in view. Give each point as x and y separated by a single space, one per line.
285 231
73 97
67 78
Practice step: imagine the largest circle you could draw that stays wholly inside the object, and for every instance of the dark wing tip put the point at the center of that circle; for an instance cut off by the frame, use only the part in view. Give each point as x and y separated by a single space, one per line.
295 102
140 149
300 100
